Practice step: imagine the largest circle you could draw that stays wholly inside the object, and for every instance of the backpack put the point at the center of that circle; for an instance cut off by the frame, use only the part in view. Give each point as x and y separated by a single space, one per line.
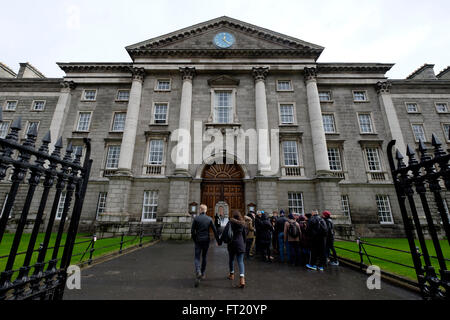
227 234
293 230
322 227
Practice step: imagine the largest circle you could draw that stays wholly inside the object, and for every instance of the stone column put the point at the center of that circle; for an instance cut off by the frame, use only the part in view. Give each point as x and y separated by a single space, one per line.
315 118
262 123
61 111
389 114
183 154
131 122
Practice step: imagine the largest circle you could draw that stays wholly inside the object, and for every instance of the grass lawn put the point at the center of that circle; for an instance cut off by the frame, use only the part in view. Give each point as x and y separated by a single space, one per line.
112 243
404 258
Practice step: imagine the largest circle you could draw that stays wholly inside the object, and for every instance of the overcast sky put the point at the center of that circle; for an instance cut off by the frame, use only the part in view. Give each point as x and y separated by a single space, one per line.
408 33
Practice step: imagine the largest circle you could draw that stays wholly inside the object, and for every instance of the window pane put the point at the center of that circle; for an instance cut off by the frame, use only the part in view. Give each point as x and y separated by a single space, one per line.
295 200
359 96
160 112
334 158
112 159
163 85
324 95
83 121
365 123
345 205
441 107
419 132
328 123
446 131
31 124
90 94
4 127
384 208
284 85
223 107
287 113
38 105
119 121
123 95
150 205
101 204
412 107
373 159
290 153
156 152
75 150
11 105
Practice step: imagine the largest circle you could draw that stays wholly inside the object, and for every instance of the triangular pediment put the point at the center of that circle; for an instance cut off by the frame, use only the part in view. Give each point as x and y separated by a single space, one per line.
223 80
200 37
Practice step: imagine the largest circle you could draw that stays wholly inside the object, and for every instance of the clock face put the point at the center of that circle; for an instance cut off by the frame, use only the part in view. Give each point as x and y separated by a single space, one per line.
224 40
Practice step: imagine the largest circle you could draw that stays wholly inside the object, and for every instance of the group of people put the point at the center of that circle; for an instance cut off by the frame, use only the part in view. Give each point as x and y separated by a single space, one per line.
304 240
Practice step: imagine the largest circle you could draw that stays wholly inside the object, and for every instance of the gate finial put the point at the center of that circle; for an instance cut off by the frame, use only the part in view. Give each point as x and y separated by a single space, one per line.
399 158
58 147
411 155
436 143
423 150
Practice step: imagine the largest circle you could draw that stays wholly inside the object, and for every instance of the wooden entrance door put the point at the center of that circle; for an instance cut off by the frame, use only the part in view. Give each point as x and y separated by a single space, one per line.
223 182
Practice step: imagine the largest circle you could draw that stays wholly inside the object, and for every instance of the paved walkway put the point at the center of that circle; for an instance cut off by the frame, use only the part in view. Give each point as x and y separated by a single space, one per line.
165 271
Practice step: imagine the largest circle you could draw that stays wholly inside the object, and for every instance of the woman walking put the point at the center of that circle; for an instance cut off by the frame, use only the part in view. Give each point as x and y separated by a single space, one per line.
236 246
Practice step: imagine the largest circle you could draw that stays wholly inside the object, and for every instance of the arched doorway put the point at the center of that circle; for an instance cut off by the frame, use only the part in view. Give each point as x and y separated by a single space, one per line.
223 182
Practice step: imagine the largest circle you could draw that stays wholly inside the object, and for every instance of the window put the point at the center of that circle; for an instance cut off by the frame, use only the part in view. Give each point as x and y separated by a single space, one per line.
62 201
162 85
365 123
446 128
38 105
112 157
295 200
119 121
328 123
89 95
325 96
101 203
150 206
4 206
334 158
384 209
284 85
77 149
287 113
345 205
123 95
31 124
84 119
156 151
419 132
359 96
4 128
441 107
222 107
11 105
290 153
412 107
373 159
160 113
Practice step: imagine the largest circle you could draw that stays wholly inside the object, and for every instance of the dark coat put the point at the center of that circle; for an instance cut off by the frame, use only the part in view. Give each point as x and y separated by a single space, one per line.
279 225
237 245
200 228
265 230
330 235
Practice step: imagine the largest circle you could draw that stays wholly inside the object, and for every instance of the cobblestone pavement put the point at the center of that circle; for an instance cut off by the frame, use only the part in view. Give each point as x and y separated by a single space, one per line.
166 271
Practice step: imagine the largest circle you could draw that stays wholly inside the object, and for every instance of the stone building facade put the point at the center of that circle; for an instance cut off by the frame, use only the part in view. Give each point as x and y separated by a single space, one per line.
325 125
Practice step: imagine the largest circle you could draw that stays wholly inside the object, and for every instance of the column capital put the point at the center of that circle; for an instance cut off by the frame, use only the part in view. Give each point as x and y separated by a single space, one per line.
383 87
310 73
138 73
187 73
260 73
68 85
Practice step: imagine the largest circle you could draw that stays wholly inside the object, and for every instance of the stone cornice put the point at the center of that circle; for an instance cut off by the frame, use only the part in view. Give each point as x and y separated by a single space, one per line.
354 67
95 67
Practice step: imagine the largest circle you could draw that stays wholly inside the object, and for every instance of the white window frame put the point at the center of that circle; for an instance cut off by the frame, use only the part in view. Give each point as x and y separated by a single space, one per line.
371 122
290 200
423 129
294 113
345 206
162 153
330 94
380 162
101 203
78 121
75 147
122 90
61 203
341 163
114 118
365 96
27 127
285 90
444 103
7 130
107 154
83 97
334 122
146 196
6 105
154 110
163 79
413 112
284 153
33 105
232 112
446 135
381 218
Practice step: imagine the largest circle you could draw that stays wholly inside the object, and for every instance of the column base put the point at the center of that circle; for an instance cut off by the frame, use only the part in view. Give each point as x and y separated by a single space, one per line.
176 226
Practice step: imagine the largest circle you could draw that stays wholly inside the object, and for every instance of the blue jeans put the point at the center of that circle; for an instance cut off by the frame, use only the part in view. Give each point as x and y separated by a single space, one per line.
281 245
240 261
201 248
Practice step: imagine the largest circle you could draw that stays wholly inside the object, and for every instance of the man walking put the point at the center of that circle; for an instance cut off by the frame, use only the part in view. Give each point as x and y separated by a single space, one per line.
200 234
317 228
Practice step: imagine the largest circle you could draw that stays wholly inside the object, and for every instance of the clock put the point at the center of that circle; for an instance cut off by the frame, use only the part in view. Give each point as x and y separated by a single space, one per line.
224 40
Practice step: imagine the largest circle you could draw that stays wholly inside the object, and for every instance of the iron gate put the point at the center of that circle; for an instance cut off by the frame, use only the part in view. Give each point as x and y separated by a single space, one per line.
23 163
424 178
